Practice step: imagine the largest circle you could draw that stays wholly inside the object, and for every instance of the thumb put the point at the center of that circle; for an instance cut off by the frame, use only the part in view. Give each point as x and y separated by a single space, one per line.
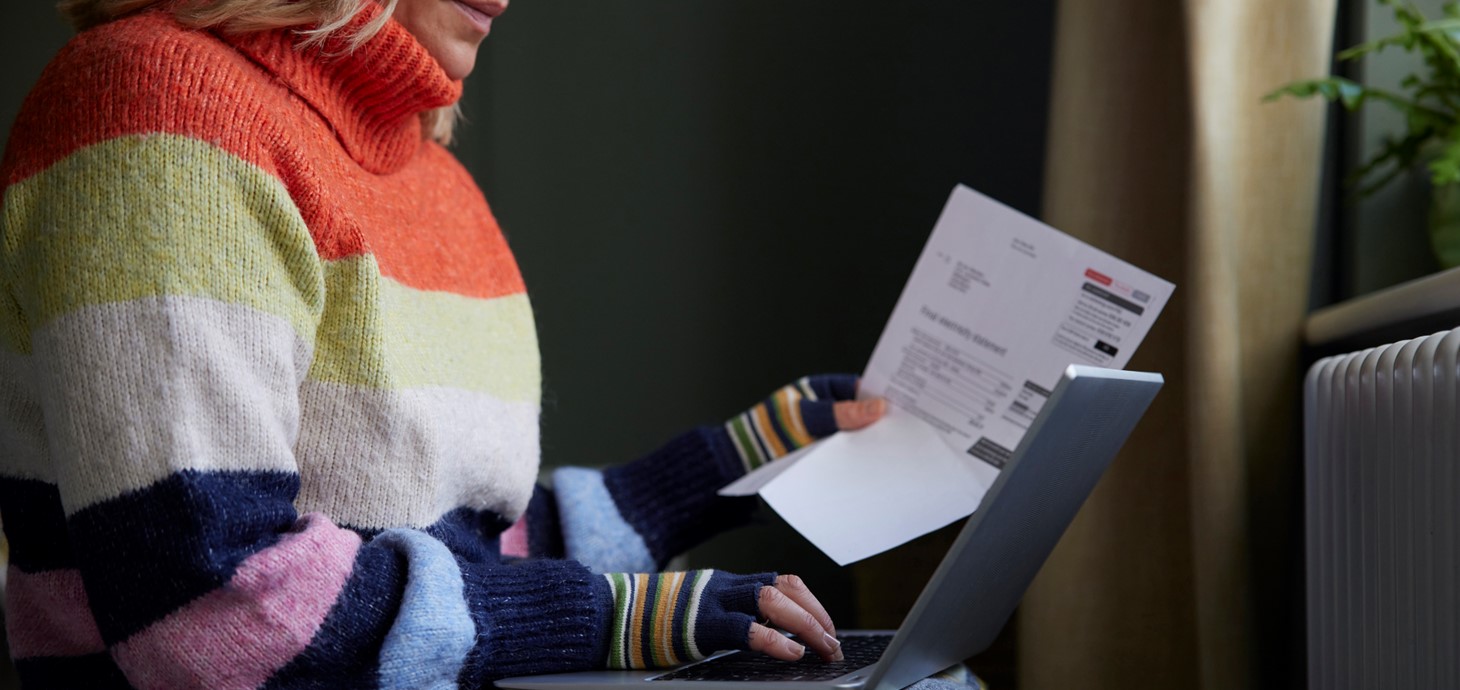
858 414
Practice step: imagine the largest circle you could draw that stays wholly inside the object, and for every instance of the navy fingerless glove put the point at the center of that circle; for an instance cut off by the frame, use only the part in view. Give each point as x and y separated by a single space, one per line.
791 418
666 619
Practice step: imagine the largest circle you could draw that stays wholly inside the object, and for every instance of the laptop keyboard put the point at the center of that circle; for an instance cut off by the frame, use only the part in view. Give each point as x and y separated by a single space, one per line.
860 651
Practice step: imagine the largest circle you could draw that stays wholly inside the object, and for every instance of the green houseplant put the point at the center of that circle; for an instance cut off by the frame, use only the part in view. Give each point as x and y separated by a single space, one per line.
1430 103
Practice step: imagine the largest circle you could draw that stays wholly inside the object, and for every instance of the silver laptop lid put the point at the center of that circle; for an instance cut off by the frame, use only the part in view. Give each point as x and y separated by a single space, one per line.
1004 543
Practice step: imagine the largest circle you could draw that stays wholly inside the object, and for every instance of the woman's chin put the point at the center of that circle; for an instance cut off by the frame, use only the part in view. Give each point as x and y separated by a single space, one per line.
458 63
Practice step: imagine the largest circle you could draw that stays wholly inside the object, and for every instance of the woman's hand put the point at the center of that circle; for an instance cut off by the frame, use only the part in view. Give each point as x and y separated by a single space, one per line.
789 605
801 414
851 415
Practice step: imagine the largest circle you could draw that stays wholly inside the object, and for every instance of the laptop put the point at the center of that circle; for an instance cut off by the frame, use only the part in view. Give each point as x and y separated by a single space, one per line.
980 580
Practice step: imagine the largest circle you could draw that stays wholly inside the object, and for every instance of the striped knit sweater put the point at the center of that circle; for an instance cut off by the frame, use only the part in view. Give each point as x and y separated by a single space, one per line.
269 392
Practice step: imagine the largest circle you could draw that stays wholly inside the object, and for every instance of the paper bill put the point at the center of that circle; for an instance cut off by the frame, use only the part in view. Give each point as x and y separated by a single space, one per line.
996 307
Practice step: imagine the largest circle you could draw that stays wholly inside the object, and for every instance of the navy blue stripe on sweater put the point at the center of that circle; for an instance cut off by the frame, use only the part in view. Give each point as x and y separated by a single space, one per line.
194 526
346 650
668 496
35 525
91 672
471 534
544 529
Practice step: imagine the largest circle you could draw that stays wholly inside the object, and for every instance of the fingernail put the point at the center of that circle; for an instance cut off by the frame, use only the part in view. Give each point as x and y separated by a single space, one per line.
836 646
797 649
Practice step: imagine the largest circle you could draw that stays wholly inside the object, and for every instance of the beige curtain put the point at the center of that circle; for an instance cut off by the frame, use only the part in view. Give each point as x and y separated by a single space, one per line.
1180 570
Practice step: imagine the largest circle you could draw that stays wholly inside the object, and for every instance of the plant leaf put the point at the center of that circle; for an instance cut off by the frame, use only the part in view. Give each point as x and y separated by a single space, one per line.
1402 40
1351 94
1398 154
1445 168
1429 100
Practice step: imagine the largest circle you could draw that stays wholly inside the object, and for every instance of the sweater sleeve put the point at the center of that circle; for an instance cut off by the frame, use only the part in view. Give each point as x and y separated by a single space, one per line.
637 516
160 305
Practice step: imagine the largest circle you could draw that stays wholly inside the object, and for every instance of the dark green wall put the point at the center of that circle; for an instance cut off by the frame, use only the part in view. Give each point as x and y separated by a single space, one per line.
33 32
710 198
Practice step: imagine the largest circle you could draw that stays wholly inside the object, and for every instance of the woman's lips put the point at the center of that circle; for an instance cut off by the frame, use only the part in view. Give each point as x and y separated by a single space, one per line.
480 13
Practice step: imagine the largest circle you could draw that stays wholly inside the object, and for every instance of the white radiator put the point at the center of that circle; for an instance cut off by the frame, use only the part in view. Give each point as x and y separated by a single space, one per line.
1382 524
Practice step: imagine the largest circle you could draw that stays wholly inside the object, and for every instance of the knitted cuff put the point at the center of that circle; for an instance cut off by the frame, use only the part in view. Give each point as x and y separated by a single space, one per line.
668 496
791 418
534 617
664 619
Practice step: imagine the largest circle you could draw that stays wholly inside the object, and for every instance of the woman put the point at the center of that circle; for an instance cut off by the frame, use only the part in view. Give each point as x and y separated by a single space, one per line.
270 382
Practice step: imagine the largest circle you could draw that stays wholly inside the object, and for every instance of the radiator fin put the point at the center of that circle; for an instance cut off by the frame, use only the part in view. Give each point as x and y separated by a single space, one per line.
1381 484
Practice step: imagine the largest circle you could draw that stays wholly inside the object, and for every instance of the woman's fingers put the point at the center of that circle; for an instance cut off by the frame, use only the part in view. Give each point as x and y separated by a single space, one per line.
856 414
773 644
795 588
792 614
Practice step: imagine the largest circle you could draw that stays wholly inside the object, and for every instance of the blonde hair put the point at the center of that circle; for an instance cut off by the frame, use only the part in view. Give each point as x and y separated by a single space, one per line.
325 19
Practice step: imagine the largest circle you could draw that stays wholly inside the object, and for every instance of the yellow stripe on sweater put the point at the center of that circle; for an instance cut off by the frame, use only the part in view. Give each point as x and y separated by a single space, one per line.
385 335
168 216
155 216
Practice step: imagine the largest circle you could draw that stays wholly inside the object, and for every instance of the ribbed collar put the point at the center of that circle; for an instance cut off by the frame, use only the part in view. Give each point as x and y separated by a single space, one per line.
372 96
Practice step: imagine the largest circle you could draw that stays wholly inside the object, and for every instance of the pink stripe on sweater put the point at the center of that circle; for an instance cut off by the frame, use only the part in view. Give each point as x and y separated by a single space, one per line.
237 636
47 615
514 541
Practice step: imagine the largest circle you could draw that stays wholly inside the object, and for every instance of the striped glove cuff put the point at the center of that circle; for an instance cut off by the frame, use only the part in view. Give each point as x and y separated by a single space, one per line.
666 619
791 418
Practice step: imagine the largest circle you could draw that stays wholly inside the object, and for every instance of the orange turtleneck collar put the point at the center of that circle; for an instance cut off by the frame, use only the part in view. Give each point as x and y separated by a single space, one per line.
371 96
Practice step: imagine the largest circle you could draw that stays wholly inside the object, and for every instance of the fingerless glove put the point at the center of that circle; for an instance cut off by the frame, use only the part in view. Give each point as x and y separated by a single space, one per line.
791 418
666 619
